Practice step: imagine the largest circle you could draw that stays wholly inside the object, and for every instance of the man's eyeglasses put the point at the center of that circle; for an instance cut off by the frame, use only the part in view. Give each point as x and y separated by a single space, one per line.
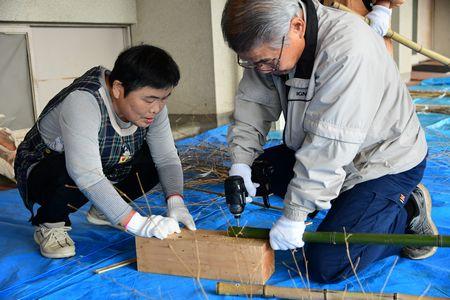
266 65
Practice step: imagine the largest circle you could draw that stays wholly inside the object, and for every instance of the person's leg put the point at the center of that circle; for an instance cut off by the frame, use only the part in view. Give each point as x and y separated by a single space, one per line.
50 185
375 206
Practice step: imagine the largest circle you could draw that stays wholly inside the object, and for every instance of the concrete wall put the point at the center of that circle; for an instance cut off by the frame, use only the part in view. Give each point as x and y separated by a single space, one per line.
425 13
441 38
425 23
225 66
190 31
69 11
183 28
402 23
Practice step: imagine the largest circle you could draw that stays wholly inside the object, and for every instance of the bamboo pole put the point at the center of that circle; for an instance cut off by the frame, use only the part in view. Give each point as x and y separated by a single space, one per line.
415 240
225 288
401 39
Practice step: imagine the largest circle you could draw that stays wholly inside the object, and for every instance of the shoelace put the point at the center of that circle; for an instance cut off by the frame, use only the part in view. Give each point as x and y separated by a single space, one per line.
58 235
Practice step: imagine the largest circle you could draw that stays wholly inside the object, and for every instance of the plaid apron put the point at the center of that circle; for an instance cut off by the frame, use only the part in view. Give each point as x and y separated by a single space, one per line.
112 146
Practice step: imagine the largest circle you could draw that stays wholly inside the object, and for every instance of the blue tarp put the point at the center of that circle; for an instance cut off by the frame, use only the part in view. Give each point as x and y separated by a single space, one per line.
25 274
433 84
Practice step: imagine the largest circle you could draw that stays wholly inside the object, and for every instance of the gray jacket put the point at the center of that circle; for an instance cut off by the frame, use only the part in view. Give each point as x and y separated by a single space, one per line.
351 122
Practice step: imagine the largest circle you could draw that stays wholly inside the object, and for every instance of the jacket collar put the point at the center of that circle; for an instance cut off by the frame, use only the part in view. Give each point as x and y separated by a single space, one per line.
305 63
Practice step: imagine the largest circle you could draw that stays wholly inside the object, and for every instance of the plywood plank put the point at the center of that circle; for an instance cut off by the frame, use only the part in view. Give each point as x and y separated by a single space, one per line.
207 254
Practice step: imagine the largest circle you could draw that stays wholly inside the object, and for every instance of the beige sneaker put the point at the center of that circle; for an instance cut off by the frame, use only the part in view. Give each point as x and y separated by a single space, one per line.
54 240
96 217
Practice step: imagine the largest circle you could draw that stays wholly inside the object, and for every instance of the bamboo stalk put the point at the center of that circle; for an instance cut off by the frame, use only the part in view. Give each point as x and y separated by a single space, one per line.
401 39
115 266
415 240
429 94
439 109
225 288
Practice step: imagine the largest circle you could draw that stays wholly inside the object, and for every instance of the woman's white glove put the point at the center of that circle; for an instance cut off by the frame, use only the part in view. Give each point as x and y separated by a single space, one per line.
155 225
380 17
245 172
287 234
178 211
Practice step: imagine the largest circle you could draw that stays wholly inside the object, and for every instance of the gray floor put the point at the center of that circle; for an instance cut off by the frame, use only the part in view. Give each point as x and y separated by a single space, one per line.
184 126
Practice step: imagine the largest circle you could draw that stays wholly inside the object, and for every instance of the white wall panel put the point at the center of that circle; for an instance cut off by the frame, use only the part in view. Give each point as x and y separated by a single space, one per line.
61 54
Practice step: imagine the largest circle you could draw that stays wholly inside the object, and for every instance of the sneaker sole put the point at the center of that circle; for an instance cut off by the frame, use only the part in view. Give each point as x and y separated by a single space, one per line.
430 221
53 255
62 255
96 221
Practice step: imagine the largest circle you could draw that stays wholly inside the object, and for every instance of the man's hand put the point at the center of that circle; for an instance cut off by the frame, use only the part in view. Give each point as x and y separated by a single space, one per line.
245 172
157 226
380 18
390 3
287 234
396 3
178 211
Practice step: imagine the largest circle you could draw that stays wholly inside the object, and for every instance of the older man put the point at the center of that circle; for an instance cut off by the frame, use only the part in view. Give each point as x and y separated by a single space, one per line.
352 141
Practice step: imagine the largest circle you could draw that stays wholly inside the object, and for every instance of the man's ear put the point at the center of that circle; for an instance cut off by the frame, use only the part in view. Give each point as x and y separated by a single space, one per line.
298 25
117 89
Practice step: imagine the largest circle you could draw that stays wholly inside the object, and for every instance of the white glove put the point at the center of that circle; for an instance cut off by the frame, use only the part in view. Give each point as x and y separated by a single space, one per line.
157 226
380 18
287 234
245 172
178 211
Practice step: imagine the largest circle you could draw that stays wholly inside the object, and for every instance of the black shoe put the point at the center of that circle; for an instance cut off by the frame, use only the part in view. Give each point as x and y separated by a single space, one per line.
421 223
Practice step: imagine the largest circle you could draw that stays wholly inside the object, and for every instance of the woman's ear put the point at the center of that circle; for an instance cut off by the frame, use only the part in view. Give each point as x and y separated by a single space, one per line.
298 26
117 89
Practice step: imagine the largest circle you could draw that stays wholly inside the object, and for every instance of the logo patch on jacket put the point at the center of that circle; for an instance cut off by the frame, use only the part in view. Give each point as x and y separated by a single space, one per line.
298 89
126 155
298 94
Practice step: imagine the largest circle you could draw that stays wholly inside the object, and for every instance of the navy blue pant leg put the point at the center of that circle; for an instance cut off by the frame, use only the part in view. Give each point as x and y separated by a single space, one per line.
375 206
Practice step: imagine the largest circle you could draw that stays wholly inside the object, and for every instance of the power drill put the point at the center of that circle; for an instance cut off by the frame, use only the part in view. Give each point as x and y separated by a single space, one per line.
235 191
235 194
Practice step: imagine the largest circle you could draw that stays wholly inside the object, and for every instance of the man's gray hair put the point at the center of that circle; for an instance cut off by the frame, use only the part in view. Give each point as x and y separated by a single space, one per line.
247 24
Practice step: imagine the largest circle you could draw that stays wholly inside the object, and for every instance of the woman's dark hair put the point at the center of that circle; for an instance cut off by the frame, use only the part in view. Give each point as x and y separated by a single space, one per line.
145 65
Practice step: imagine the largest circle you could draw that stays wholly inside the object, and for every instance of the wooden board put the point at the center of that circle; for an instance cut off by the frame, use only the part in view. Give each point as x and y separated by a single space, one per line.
207 254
